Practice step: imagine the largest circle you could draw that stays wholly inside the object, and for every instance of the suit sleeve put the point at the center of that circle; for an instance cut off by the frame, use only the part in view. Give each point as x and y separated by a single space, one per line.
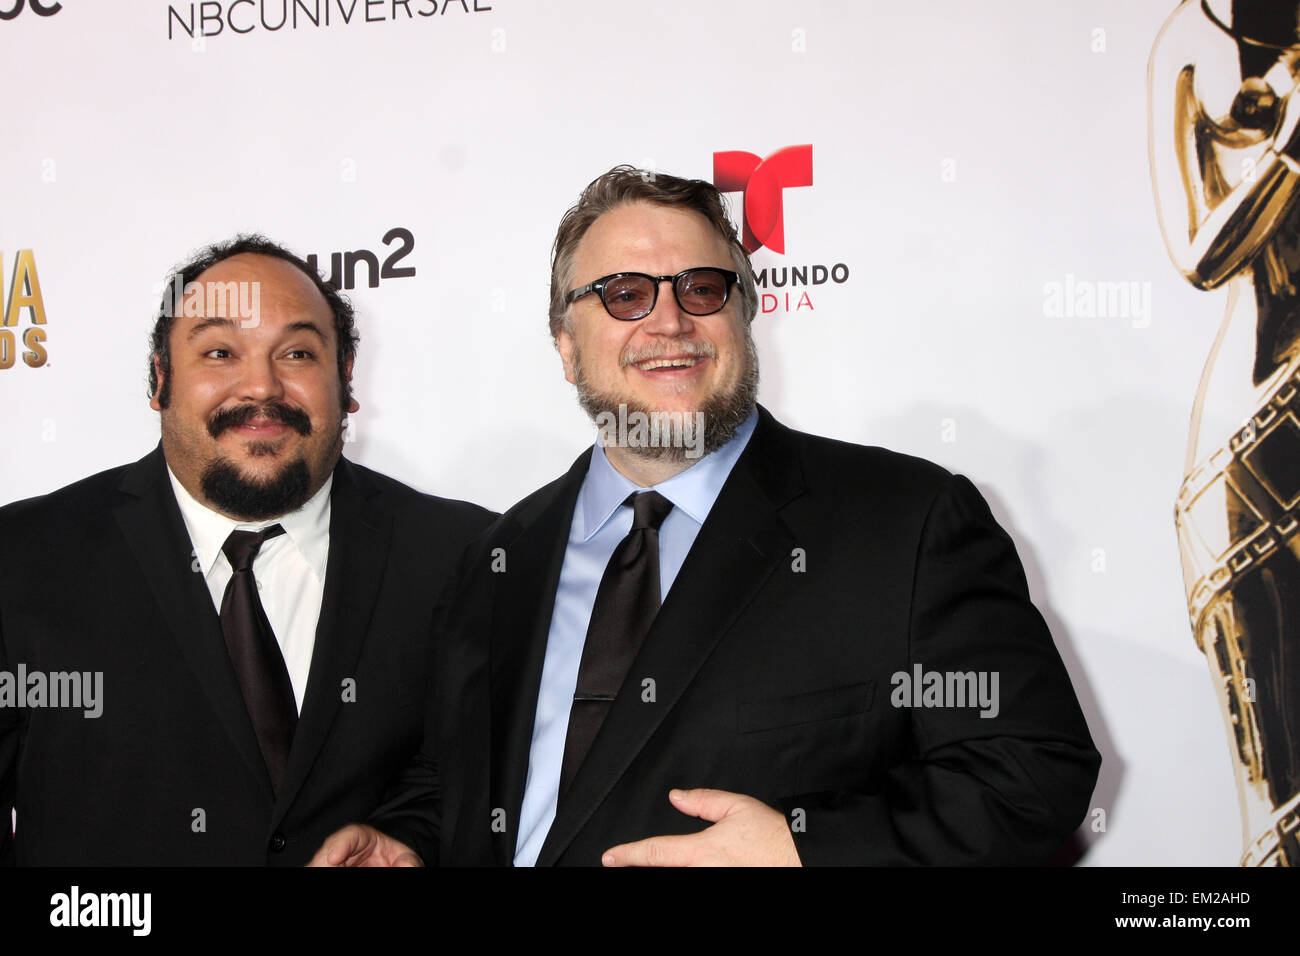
1003 789
412 807
411 810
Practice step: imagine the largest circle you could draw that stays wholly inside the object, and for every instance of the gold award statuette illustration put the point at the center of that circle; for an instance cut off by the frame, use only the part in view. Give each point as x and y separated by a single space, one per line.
1225 160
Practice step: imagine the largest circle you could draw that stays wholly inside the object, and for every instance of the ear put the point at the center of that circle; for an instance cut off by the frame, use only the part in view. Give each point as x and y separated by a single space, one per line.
158 374
565 346
347 375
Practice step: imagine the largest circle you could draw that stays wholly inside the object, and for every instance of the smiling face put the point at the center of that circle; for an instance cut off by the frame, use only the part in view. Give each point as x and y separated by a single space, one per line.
669 361
253 422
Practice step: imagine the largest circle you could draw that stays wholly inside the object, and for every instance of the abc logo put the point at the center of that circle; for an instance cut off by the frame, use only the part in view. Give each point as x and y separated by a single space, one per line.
39 7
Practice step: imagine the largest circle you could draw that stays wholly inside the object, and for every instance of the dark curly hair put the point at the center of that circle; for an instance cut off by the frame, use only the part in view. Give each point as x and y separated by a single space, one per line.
345 327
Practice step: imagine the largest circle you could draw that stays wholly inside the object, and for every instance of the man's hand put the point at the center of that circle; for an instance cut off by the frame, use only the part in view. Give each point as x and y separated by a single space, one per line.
361 845
745 832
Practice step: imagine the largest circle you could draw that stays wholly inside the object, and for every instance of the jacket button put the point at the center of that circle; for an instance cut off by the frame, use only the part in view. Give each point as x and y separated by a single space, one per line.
277 842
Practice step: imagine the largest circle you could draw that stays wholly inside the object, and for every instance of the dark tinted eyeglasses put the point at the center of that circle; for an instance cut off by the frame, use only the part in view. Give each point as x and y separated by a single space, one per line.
633 295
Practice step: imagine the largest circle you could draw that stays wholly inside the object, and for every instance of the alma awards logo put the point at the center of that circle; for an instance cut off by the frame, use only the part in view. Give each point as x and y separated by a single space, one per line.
24 293
762 184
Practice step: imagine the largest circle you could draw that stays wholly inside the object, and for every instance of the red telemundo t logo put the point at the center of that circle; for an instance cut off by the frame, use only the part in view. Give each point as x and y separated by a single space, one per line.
761 182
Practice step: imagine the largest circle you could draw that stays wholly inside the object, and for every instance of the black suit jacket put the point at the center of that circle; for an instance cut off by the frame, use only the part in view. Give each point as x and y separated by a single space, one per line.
822 570
98 578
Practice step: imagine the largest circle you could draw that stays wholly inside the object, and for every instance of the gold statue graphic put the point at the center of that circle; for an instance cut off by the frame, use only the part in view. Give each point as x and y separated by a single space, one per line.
1225 160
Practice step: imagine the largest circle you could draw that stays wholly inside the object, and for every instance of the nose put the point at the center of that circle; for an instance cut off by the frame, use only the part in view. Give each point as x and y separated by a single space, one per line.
667 317
260 382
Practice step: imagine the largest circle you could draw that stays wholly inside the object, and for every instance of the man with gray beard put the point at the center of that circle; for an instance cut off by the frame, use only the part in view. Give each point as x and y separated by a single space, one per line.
667 659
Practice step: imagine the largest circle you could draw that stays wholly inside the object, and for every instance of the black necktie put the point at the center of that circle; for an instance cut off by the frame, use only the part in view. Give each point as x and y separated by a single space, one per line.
625 607
255 654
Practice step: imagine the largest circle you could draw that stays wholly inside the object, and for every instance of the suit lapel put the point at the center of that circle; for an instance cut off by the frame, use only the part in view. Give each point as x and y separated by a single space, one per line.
155 532
360 533
741 542
521 625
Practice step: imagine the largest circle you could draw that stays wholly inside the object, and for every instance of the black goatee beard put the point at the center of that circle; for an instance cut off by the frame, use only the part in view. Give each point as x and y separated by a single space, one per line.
722 413
225 486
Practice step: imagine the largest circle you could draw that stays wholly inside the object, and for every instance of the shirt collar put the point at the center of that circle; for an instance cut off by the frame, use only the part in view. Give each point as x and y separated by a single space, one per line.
692 491
308 527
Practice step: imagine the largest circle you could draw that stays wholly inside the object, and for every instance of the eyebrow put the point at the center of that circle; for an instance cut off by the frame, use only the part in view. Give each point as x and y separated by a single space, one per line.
217 321
208 323
305 326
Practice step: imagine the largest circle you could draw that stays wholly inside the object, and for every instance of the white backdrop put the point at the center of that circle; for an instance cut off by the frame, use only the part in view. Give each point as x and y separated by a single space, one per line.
965 158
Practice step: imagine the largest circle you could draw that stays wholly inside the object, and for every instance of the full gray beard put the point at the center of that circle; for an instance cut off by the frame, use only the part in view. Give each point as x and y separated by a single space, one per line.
723 413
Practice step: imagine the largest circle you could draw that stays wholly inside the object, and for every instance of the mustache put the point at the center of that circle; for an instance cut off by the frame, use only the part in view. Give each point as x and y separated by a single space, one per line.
239 415
684 347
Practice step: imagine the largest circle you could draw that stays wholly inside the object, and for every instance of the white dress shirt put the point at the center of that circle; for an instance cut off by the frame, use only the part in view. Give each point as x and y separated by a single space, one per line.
289 570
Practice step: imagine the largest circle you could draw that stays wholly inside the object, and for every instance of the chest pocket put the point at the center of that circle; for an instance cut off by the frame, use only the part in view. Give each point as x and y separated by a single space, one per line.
805 708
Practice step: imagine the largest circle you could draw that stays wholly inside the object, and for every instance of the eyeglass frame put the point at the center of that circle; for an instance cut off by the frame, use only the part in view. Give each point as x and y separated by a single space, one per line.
598 286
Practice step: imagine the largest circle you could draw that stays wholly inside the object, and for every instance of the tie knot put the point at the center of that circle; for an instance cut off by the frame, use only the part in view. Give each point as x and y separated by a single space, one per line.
242 546
649 509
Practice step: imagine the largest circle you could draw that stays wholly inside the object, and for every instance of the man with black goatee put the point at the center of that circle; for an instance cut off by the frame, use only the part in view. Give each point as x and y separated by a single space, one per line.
259 607
689 651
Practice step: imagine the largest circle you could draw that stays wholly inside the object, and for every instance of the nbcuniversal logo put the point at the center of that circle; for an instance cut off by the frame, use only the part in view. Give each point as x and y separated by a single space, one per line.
762 183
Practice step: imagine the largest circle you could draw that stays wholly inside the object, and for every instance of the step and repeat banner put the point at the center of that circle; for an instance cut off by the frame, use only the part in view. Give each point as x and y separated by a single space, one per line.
958 217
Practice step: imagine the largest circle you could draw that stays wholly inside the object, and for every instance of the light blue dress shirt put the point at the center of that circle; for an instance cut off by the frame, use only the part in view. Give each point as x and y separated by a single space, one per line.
600 522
